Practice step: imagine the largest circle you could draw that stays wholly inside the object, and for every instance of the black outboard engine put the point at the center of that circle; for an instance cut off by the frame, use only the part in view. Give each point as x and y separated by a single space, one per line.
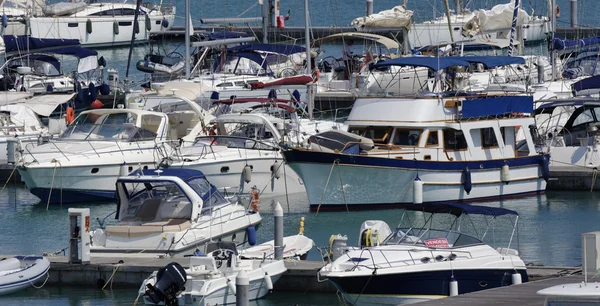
170 281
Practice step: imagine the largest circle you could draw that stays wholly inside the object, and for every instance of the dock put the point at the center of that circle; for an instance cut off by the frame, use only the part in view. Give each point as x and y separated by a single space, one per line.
301 276
573 178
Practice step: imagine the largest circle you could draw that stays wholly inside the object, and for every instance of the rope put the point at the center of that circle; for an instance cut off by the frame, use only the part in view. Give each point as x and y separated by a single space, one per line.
51 185
325 190
11 174
40 287
342 186
110 279
365 287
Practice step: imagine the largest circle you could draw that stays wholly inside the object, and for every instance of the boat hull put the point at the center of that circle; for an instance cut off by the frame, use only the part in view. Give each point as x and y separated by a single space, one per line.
339 182
405 288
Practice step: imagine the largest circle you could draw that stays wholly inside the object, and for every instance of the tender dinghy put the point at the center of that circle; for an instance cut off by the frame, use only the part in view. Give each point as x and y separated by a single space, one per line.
21 272
296 246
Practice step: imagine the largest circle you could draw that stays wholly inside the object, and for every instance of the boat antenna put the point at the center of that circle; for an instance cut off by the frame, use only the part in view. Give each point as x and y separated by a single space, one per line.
135 24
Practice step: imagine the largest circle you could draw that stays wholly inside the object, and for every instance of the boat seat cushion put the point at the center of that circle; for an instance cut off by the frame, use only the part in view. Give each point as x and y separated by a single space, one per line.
148 228
140 231
117 230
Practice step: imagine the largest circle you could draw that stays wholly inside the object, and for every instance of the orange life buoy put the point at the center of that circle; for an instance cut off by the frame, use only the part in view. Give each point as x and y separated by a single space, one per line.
316 73
70 115
255 199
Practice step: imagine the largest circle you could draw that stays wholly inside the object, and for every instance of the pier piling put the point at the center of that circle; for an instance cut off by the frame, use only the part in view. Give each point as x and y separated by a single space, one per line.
278 216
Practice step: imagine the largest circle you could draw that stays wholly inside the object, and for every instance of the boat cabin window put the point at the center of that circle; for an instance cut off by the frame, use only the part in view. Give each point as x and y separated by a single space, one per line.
166 197
454 140
209 194
151 122
115 126
407 137
357 130
225 84
488 137
432 139
379 134
430 237
118 12
587 116
248 130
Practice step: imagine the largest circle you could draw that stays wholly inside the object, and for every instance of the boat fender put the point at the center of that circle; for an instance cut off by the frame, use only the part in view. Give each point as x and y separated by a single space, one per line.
276 170
104 89
116 27
247 174
251 235
93 91
148 23
545 168
269 281
70 115
165 23
316 74
136 27
255 199
124 170
4 21
417 190
88 26
214 95
296 95
516 278
272 94
505 174
97 104
231 286
49 88
453 287
467 184
198 253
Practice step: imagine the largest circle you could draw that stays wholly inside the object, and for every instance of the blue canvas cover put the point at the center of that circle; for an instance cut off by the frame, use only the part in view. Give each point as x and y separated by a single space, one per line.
434 63
592 82
562 44
23 43
495 106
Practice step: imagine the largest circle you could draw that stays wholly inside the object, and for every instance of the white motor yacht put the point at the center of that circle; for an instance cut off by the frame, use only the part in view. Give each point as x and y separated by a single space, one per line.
433 255
83 163
211 279
171 212
250 140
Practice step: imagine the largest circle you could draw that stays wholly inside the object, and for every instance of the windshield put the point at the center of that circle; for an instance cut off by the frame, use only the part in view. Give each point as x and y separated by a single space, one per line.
119 126
208 193
431 237
156 201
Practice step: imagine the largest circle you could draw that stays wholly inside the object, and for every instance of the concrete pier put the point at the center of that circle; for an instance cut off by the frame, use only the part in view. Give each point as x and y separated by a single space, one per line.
573 178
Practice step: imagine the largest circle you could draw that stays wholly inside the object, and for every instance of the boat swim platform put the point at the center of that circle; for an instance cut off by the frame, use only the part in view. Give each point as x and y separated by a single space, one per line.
292 33
301 276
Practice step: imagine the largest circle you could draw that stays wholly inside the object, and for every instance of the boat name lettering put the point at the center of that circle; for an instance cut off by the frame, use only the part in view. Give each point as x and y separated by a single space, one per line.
437 243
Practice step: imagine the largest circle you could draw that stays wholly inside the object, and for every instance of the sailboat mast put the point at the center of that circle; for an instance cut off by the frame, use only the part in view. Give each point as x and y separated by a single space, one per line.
449 22
187 39
513 30
135 24
308 58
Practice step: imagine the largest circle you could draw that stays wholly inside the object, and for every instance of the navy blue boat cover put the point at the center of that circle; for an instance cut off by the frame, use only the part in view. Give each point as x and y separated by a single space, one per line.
495 106
592 82
560 43
25 43
438 63
457 209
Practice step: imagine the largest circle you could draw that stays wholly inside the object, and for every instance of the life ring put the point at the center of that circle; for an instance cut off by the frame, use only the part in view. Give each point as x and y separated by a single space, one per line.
255 199
316 73
70 115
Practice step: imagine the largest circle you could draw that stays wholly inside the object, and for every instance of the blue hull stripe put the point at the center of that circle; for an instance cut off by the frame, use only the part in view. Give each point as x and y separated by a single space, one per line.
304 156
73 195
353 207
425 283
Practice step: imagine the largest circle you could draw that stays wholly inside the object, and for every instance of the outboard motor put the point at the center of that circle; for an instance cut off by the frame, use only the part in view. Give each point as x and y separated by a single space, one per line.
170 281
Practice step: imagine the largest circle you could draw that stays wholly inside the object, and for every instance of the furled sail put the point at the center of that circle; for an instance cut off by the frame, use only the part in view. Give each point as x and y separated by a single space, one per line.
496 19
397 17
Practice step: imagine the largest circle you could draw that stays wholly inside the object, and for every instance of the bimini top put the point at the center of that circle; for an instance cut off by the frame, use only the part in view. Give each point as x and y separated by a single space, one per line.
439 63
457 209
273 48
592 82
549 106
183 174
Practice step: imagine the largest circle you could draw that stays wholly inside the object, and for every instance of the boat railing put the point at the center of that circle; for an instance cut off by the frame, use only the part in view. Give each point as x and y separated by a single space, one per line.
416 257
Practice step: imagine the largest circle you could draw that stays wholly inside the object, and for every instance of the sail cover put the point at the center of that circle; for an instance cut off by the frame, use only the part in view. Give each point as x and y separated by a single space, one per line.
397 17
498 18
